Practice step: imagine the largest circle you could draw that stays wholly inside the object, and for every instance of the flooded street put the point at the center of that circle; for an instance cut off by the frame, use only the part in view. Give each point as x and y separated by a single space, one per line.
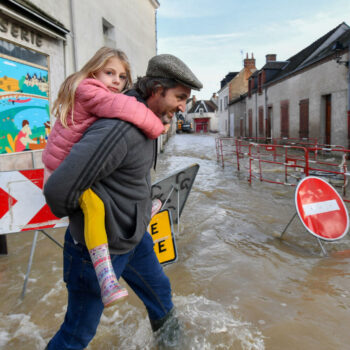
235 284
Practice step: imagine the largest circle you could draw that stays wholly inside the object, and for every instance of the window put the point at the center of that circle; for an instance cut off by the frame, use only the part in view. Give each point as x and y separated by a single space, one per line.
23 54
225 102
220 104
250 87
108 34
201 111
260 83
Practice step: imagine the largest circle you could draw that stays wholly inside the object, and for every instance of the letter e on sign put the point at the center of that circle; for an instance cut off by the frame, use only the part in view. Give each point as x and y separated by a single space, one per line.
160 229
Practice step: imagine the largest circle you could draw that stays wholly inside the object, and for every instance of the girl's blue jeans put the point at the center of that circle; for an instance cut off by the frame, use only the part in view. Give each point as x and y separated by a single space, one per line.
139 268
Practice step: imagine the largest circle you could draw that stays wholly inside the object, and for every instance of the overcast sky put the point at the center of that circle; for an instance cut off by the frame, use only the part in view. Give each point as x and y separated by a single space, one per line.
212 37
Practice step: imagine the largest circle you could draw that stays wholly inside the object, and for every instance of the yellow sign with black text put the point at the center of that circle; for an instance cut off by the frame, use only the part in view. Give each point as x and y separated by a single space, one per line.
160 229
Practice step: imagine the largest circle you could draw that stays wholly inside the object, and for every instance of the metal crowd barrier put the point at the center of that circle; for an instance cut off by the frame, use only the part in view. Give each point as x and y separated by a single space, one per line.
291 157
293 160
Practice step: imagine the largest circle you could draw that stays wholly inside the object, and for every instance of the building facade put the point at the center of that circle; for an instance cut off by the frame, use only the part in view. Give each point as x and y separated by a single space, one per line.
238 117
223 101
44 41
203 115
236 86
306 96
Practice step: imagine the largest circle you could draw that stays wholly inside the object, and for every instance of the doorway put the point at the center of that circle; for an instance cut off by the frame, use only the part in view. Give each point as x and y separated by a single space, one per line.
304 119
250 123
268 122
328 119
285 118
232 124
202 125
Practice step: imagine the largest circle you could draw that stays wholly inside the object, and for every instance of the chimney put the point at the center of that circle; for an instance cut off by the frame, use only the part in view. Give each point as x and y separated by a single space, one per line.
214 95
194 99
249 62
271 57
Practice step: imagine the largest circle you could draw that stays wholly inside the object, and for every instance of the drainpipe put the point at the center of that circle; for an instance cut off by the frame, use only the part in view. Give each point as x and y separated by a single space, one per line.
72 23
161 139
266 111
256 115
156 31
65 58
349 95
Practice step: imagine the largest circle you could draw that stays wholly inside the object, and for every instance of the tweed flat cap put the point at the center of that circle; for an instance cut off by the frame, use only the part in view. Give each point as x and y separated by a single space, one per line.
170 67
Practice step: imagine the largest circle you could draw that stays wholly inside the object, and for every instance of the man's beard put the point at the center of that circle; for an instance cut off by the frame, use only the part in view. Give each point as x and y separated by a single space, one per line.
165 119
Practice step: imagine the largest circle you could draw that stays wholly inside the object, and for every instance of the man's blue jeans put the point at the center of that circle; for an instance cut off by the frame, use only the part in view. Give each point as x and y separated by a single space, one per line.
139 268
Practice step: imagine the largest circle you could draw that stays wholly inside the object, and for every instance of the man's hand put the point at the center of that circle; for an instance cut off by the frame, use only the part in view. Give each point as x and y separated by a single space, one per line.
166 128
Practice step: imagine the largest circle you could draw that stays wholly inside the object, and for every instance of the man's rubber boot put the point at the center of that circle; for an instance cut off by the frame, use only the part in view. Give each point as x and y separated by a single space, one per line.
168 331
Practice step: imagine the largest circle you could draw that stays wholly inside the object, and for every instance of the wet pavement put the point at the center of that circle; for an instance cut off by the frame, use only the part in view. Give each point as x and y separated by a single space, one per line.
236 285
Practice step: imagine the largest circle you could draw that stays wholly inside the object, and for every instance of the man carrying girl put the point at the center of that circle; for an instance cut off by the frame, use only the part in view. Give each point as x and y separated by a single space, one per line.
113 159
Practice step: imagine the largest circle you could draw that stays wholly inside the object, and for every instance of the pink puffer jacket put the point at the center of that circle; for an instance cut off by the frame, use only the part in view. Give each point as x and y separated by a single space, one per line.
94 100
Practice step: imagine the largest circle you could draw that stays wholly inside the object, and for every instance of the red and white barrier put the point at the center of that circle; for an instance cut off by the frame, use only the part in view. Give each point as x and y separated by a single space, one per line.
22 203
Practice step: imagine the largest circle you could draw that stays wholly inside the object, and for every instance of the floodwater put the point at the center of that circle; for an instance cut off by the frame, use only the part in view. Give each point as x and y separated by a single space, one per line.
235 284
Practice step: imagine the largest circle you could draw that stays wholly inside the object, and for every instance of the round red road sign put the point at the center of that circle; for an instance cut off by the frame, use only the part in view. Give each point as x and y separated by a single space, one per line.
321 209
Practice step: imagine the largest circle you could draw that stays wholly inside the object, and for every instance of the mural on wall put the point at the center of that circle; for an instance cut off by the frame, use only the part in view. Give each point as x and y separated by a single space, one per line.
24 106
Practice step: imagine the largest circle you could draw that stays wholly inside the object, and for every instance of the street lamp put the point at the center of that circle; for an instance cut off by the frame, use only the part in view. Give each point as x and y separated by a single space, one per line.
338 47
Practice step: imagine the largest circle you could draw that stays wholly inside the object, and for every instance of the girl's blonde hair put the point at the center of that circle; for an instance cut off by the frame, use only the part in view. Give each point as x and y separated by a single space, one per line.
65 100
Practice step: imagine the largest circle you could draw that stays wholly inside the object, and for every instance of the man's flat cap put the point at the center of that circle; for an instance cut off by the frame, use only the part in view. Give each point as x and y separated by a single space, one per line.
170 67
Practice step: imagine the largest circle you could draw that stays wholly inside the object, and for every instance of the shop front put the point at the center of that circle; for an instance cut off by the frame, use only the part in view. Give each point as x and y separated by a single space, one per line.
31 64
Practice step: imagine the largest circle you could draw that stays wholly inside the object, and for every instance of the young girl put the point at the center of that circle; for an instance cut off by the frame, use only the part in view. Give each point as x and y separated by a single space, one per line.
92 92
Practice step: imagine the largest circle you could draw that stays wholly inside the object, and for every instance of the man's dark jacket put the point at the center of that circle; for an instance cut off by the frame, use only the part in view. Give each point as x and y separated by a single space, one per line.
114 159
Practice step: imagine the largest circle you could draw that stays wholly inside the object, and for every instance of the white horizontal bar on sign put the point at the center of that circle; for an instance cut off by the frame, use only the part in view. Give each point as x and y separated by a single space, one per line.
320 207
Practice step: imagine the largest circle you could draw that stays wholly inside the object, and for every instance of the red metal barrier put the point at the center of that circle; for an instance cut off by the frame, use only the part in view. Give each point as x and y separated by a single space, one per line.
304 142
336 172
321 149
225 149
230 150
264 140
217 148
280 155
293 160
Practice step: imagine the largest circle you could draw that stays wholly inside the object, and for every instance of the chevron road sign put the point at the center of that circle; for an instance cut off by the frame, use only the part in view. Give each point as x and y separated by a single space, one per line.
22 204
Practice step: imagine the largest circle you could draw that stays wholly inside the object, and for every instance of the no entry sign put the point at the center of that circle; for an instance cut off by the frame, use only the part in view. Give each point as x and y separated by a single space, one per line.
321 209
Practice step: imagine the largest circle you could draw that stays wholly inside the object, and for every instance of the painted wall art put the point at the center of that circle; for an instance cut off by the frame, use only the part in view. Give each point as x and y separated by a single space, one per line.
24 106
